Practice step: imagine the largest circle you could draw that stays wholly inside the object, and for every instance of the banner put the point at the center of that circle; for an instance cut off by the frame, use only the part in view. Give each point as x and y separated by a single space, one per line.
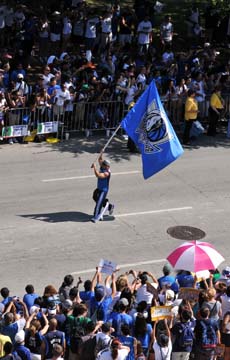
149 127
107 267
189 294
47 127
14 131
160 312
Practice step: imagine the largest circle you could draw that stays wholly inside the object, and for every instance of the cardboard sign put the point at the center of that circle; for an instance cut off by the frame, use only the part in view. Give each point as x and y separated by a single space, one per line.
47 127
189 294
14 131
107 267
160 312
152 290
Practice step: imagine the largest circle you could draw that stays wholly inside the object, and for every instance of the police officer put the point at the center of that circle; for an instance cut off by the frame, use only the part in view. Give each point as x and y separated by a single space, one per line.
103 175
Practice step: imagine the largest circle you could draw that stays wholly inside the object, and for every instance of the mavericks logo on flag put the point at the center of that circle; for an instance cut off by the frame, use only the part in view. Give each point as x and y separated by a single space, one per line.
149 127
153 129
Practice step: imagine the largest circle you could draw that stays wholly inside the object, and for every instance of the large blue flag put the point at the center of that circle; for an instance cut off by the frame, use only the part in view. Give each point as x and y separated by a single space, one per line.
149 127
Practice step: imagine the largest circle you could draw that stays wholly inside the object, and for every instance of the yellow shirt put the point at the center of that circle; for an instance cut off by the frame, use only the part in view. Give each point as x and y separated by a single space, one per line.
190 105
215 101
3 340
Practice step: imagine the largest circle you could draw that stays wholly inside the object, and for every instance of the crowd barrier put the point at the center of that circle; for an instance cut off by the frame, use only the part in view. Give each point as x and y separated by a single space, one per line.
88 116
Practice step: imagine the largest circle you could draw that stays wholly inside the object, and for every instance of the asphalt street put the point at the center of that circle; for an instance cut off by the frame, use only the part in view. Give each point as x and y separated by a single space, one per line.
46 207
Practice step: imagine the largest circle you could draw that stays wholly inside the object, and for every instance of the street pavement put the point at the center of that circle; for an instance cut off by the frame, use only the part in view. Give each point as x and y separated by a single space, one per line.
46 207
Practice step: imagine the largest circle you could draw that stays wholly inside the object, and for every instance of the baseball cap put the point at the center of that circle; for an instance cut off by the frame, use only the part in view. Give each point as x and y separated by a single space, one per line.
226 272
33 309
106 162
20 336
169 295
20 76
99 292
167 268
67 304
52 308
124 301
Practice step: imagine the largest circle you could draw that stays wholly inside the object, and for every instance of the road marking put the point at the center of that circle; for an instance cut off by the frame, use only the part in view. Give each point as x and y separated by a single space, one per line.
154 211
90 176
149 262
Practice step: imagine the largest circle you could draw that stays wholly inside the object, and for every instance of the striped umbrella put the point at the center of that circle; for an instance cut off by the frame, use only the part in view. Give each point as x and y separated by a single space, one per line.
195 256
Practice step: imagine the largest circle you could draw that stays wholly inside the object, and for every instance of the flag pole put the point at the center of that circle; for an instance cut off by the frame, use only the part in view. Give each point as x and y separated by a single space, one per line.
109 141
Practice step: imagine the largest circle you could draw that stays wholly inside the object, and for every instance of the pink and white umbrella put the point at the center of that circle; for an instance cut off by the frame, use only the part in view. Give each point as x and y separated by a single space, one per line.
195 256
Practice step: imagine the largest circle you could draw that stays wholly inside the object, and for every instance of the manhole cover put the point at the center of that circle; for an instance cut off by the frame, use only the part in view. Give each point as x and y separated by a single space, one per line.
186 233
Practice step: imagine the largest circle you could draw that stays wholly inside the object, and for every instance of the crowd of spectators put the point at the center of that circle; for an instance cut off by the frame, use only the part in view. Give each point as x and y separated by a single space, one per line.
110 318
64 53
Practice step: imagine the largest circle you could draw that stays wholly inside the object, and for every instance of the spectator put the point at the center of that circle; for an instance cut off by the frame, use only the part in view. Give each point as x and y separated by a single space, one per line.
116 350
65 287
166 31
225 335
183 333
142 292
53 336
207 335
144 31
30 296
143 332
128 340
20 347
167 279
163 346
191 111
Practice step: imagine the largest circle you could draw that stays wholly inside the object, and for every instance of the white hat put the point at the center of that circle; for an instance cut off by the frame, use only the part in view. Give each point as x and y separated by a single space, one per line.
20 336
20 76
33 309
51 59
63 55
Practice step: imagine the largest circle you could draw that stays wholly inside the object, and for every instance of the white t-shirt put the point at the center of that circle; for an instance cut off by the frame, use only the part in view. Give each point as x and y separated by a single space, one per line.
141 78
67 26
106 25
106 355
62 96
162 353
144 29
144 295
130 94
91 27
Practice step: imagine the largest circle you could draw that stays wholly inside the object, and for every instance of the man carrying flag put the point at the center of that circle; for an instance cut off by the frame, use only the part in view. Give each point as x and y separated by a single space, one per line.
150 129
99 194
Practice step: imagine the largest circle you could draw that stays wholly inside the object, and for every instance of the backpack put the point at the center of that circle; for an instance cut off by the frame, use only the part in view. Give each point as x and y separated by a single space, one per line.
186 335
88 348
101 345
208 337
78 331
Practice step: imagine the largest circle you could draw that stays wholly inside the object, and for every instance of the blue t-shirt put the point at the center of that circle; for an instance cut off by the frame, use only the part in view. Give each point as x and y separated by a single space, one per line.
28 299
103 184
119 320
23 352
185 280
10 330
128 341
145 340
101 307
166 280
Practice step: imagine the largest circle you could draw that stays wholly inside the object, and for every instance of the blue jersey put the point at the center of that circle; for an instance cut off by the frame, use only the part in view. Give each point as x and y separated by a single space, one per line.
103 184
128 341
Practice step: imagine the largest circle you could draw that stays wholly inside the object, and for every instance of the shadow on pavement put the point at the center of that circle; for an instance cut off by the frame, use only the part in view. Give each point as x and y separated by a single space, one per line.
75 216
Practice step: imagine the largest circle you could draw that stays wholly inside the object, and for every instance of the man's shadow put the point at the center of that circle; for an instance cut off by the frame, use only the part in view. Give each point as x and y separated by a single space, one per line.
74 216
